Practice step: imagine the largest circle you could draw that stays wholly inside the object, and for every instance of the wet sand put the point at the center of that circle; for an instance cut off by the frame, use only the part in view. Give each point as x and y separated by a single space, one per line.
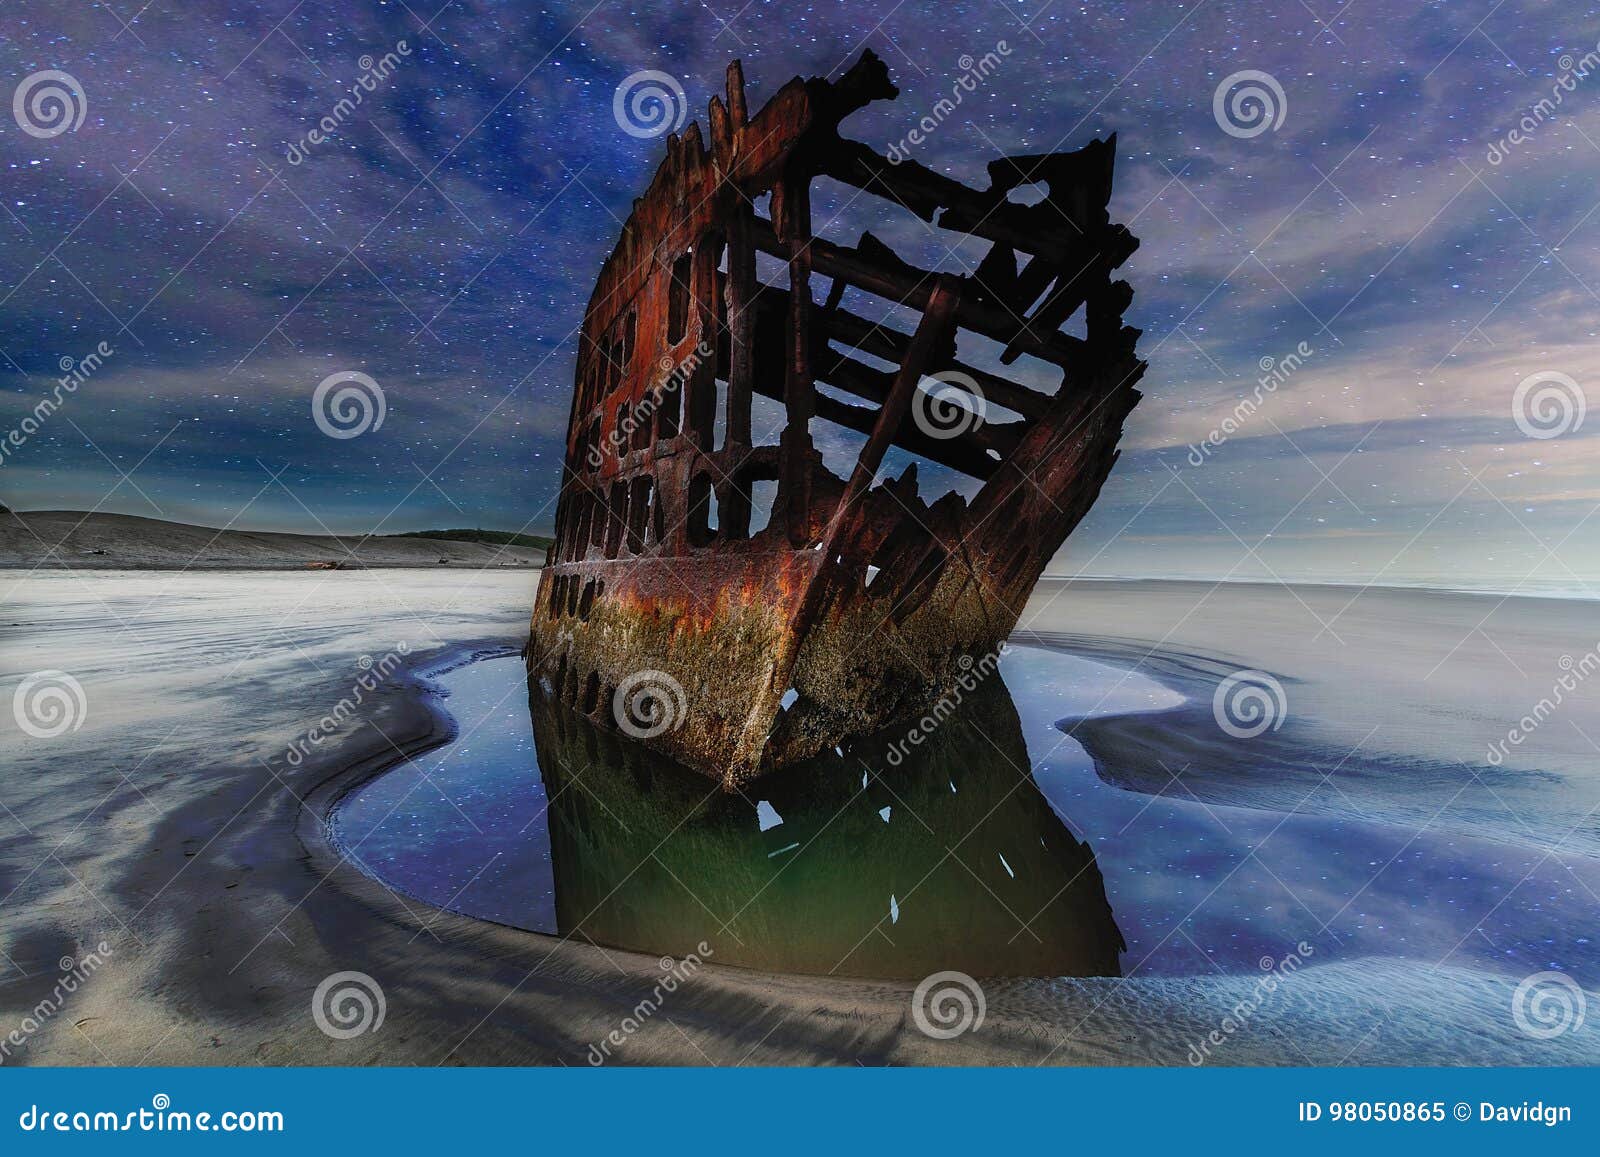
172 826
1402 699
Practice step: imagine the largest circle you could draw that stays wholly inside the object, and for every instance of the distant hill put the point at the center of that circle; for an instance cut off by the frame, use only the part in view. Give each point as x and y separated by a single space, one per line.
497 537
74 540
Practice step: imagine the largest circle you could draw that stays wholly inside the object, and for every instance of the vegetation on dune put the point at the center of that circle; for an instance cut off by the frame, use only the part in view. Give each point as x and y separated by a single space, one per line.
496 537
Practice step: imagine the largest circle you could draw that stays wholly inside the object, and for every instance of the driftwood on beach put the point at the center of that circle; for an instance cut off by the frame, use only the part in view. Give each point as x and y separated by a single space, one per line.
738 647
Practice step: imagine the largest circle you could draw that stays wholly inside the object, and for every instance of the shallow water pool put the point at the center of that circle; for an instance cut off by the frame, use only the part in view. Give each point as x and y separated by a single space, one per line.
995 847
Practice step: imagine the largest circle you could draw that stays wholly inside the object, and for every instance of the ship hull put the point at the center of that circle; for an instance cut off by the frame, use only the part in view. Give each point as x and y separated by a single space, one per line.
738 629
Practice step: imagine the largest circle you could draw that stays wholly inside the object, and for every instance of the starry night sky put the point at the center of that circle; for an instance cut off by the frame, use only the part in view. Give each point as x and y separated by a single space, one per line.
446 238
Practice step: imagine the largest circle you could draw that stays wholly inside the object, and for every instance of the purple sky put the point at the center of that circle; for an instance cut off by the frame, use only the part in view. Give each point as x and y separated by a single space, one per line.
445 238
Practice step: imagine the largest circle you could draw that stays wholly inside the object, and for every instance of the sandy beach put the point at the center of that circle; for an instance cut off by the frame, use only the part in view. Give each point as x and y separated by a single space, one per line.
174 826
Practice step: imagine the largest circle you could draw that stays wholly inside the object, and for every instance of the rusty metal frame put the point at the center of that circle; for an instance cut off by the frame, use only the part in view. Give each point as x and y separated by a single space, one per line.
858 603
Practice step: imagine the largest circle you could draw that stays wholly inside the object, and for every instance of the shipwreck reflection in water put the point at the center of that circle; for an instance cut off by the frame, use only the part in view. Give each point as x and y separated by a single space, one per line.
846 864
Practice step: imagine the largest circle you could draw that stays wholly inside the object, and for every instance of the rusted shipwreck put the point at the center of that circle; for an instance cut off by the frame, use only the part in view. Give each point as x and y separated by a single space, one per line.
662 609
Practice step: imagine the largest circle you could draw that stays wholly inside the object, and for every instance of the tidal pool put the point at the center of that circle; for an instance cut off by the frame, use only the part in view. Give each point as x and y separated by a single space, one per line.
994 846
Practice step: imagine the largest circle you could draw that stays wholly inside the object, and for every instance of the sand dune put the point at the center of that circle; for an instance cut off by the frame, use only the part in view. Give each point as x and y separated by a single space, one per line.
73 540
